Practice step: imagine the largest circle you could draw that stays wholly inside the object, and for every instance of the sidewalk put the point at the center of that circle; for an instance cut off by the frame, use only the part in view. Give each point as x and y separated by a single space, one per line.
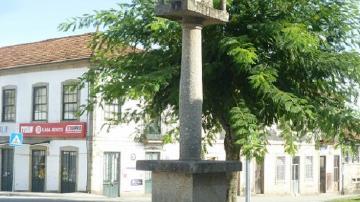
99 198
73 196
302 198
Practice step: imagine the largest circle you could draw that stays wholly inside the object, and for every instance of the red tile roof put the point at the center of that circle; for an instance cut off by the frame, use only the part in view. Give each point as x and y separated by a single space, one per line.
44 52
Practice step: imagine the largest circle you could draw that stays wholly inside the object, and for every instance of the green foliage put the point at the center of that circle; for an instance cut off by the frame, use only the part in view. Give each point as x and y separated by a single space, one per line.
285 62
347 200
249 133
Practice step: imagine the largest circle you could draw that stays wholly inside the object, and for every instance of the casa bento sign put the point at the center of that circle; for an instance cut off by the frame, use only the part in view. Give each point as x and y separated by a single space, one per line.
60 130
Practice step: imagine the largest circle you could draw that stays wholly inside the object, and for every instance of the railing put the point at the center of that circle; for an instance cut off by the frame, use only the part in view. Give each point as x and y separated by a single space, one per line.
156 136
152 133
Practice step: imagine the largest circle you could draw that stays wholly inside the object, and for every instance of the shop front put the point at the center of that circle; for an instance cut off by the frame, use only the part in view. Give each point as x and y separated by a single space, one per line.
7 157
50 160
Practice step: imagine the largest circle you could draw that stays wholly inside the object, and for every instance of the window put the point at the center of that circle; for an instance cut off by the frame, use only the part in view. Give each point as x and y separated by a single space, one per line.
70 102
356 157
309 167
152 128
9 105
347 157
113 110
352 157
40 105
280 169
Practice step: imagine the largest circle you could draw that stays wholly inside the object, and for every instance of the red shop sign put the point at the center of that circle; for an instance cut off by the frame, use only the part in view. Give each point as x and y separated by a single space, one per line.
60 130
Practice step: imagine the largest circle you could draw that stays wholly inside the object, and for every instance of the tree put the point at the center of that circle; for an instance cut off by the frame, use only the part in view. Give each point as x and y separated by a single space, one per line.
284 62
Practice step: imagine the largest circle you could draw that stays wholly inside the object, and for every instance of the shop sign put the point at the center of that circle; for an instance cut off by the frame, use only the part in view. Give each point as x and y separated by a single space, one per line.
54 130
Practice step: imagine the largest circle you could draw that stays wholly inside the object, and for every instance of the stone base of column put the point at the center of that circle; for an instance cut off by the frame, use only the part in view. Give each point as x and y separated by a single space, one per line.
189 181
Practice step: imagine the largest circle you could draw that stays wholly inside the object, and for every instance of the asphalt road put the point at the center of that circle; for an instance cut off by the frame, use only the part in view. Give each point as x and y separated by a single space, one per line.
63 198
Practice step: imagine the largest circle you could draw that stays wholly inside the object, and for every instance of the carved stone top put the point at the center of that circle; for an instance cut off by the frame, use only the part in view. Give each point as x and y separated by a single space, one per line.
202 10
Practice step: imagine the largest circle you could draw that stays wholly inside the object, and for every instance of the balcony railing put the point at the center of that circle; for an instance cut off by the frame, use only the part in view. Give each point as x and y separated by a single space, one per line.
152 133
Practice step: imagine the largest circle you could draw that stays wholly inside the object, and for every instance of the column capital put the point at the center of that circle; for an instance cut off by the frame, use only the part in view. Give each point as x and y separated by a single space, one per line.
192 23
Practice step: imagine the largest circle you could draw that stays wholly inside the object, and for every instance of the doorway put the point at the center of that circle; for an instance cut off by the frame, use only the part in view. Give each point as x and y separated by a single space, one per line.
295 173
322 174
68 171
259 178
148 178
111 182
7 162
337 173
38 170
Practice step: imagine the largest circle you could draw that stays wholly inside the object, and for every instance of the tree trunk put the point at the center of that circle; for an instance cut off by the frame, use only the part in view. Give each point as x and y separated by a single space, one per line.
232 154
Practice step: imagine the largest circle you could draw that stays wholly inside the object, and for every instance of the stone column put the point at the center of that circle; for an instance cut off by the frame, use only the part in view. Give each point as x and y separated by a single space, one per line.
191 91
190 179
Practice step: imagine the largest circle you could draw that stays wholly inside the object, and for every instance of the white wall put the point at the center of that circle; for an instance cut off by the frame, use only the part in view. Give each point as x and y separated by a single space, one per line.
24 83
24 79
119 138
22 168
53 164
307 186
351 176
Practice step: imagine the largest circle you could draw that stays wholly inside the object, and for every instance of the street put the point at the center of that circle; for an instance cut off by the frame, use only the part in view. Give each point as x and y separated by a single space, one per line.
76 197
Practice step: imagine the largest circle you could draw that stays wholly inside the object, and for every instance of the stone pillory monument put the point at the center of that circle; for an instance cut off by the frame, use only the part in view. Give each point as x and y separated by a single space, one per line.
190 179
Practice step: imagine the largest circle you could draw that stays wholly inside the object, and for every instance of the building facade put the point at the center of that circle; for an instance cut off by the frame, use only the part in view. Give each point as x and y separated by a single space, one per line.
351 173
309 171
38 99
64 151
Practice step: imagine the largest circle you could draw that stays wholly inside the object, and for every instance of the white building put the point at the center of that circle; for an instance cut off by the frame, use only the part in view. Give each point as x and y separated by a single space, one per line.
309 171
351 173
37 99
65 153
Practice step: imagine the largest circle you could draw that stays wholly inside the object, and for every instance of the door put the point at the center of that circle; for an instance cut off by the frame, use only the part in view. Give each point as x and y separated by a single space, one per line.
322 174
148 179
38 170
259 178
111 183
7 159
337 173
295 173
68 171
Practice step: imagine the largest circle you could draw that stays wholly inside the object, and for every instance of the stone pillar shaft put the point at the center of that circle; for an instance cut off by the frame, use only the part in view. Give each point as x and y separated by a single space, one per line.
191 92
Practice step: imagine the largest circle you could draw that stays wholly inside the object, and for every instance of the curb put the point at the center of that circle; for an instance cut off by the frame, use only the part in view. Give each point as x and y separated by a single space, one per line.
77 196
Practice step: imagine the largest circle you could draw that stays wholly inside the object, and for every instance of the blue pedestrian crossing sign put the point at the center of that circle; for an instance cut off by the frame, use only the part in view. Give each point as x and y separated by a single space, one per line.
16 139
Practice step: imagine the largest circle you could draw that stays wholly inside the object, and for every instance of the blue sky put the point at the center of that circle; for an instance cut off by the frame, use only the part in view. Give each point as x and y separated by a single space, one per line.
23 21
